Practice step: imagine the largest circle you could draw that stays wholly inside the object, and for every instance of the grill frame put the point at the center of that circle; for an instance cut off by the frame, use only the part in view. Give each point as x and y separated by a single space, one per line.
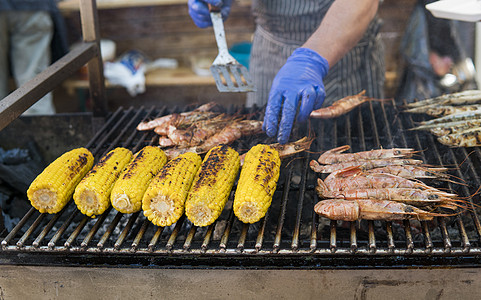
376 127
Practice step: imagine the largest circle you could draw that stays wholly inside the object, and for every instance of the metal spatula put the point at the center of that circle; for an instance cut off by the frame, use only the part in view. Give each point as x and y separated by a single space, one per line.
228 73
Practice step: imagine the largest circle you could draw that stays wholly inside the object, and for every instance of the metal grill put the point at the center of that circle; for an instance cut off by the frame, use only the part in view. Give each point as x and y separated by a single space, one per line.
290 235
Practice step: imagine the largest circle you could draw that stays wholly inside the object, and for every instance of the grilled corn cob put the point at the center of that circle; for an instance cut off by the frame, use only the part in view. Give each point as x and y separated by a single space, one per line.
92 194
128 190
52 189
212 185
257 183
164 201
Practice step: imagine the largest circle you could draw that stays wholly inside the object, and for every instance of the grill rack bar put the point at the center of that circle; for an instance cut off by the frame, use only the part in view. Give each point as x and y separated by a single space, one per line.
235 237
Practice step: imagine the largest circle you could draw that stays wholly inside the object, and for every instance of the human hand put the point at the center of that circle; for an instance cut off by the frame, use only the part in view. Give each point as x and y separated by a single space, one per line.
300 79
199 11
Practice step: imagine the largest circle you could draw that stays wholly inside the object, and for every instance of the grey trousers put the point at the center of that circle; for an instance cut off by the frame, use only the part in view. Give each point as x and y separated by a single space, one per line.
25 38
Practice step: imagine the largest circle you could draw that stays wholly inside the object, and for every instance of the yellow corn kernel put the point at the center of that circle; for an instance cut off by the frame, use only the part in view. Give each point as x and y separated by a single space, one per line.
257 183
52 189
164 201
212 185
92 194
128 190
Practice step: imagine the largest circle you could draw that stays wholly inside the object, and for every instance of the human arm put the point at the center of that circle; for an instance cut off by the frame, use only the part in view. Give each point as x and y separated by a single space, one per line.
300 80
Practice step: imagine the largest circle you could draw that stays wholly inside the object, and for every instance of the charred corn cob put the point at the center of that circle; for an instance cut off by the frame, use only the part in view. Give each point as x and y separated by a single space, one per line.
128 190
92 194
52 188
212 185
257 183
164 201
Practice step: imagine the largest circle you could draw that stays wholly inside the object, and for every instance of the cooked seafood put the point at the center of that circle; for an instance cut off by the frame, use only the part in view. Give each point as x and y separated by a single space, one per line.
467 138
366 164
341 106
369 209
411 171
447 125
467 115
464 97
336 156
289 149
459 128
232 132
355 178
443 110
201 113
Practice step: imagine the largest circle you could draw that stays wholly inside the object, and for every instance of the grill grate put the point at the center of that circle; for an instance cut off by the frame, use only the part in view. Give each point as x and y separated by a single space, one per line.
290 235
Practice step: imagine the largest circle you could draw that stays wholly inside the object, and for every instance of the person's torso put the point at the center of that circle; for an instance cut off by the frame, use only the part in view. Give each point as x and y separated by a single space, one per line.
292 20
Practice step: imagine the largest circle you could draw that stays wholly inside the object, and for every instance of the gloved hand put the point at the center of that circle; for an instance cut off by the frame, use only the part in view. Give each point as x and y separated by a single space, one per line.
199 11
300 79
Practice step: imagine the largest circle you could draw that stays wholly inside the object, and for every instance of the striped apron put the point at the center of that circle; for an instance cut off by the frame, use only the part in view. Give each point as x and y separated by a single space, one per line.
284 25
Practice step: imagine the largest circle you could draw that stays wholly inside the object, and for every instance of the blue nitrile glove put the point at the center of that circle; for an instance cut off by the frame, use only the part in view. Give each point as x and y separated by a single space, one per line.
300 79
199 11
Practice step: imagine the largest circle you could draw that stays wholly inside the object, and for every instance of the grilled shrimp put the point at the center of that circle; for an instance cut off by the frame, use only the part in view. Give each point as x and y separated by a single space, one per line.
200 113
336 156
232 132
341 106
369 209
289 149
460 98
405 195
363 164
411 171
354 178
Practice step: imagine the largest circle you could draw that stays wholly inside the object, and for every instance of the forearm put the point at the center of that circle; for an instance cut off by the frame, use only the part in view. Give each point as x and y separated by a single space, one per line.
342 27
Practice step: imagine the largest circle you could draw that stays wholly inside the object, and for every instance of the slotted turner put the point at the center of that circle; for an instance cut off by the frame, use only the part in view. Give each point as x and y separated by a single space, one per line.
228 73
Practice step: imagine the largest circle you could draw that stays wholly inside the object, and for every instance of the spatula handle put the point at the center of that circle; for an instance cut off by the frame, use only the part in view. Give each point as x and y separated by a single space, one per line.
213 8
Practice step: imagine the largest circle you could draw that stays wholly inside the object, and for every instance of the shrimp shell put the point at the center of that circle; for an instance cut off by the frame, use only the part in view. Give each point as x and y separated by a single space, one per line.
368 209
363 164
354 178
336 156
425 197
411 171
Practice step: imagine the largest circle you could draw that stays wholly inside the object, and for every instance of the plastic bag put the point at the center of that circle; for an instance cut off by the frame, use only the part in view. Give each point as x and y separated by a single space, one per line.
128 71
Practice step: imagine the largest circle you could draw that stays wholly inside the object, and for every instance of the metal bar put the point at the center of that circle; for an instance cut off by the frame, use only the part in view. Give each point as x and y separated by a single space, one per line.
47 228
409 237
65 225
300 204
104 127
444 232
282 214
109 230
25 96
140 234
464 237
390 237
333 235
173 235
30 230
225 236
372 237
242 237
427 237
208 235
90 32
155 238
352 227
313 243
95 228
17 228
126 230
76 232
190 237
